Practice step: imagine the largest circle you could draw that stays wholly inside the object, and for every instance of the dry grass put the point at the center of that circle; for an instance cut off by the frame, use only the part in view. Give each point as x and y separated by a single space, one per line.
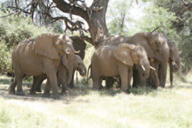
83 107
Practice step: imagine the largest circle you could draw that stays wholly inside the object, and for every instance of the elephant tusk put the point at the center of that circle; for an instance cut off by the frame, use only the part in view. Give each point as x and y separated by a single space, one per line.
67 52
152 68
143 67
77 51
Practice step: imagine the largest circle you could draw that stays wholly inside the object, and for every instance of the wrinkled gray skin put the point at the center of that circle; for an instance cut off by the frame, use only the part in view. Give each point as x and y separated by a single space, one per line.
62 74
79 45
174 63
41 56
110 60
156 47
174 60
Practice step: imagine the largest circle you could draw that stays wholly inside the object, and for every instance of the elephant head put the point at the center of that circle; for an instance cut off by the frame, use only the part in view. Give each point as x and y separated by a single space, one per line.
79 65
156 41
130 54
53 46
174 58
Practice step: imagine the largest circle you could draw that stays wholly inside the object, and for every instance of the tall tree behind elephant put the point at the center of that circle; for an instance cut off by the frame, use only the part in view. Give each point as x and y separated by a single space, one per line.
41 56
62 74
80 46
174 60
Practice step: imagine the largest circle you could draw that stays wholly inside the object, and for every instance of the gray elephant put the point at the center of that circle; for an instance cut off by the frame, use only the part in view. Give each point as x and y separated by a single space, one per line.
79 45
38 56
110 60
174 63
62 74
156 47
174 60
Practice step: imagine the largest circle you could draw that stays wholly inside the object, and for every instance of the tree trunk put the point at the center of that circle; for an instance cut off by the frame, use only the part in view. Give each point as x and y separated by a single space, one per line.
97 21
94 16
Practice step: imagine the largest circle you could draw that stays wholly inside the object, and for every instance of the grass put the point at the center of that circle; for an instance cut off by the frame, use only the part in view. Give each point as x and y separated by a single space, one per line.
83 107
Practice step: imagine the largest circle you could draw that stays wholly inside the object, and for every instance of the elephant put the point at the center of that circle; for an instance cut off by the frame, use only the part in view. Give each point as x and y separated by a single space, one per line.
174 63
38 56
79 45
110 60
174 60
156 47
62 74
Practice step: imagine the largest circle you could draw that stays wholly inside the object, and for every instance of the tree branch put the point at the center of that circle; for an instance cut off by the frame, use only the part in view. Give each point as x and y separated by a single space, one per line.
65 7
72 26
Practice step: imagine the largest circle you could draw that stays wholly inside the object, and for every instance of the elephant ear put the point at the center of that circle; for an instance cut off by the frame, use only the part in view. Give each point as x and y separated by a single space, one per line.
44 45
123 53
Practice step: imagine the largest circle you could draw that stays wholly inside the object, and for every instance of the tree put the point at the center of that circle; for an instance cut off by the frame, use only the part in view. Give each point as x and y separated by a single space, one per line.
48 11
183 26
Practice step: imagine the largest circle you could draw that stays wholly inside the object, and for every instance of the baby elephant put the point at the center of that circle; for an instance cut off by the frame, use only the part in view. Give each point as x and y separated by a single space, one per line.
109 60
62 74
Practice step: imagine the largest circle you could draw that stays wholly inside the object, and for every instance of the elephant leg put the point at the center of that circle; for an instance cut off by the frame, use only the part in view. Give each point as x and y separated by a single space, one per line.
37 81
130 74
123 72
154 80
71 85
19 84
153 77
12 86
109 82
162 74
171 73
47 89
96 82
135 77
64 85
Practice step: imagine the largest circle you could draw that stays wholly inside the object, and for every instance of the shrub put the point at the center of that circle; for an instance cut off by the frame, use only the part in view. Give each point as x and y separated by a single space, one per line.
13 30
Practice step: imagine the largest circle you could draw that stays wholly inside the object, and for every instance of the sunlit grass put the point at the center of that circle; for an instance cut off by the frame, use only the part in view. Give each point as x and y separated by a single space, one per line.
83 107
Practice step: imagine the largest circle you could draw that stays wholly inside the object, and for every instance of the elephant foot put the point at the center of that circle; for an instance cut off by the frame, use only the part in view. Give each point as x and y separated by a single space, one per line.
47 95
32 92
56 96
11 92
128 91
63 92
20 93
38 90
71 86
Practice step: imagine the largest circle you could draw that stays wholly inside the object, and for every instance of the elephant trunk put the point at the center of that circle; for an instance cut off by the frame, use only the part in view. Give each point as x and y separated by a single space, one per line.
83 72
70 72
175 65
146 68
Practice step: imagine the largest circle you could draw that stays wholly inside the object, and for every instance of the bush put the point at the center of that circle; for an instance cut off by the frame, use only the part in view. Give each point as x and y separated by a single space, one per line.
13 30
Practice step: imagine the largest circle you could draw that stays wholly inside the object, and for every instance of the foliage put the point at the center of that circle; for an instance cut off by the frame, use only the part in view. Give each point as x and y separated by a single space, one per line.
158 17
183 26
118 17
5 58
14 29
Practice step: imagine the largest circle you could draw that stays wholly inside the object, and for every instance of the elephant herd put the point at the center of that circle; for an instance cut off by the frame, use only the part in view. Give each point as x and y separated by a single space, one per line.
143 56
